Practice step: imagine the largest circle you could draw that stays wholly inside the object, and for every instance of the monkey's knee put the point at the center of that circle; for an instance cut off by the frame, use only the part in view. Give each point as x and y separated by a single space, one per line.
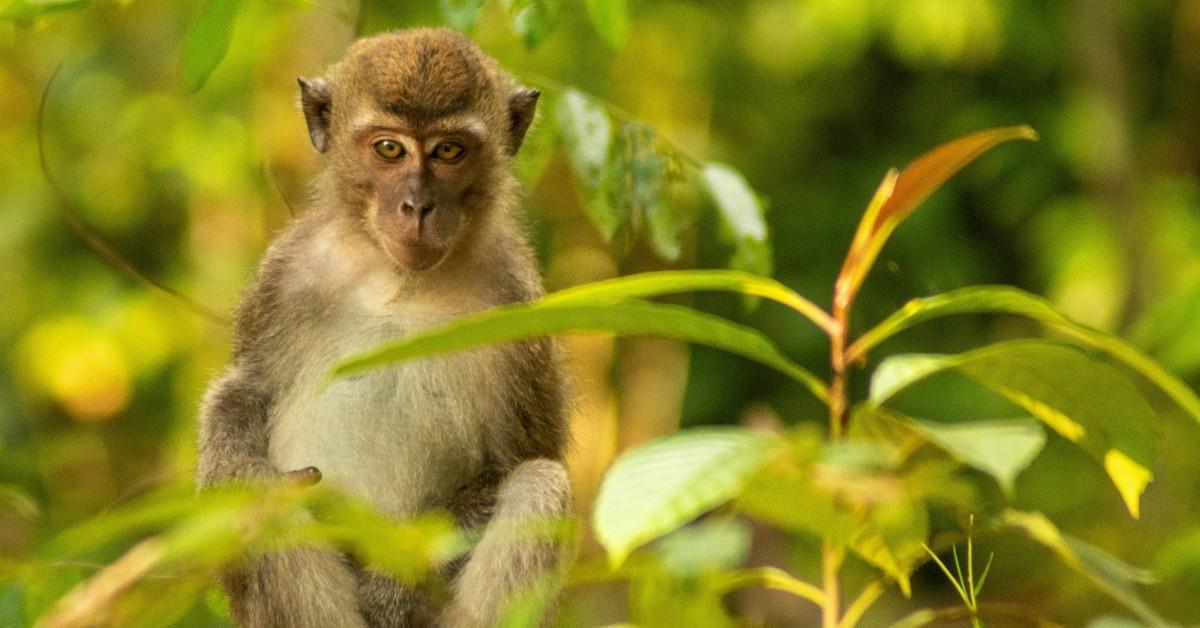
535 487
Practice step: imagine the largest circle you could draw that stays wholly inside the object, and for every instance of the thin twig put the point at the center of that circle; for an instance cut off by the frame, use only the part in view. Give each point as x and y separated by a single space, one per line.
92 239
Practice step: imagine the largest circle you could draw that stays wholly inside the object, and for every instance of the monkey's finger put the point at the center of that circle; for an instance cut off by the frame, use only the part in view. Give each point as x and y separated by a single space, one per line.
307 476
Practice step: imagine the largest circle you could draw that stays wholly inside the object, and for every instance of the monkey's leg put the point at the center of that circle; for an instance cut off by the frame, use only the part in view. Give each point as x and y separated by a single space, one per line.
515 552
296 588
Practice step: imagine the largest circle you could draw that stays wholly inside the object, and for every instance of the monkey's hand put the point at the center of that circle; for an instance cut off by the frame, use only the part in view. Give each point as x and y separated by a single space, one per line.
308 476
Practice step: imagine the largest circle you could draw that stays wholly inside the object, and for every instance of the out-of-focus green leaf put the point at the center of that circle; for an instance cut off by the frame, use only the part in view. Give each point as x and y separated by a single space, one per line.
208 40
536 20
611 19
587 137
1086 401
29 9
892 538
1009 300
520 322
637 177
742 215
1105 571
12 604
658 487
16 499
1002 448
461 14
707 547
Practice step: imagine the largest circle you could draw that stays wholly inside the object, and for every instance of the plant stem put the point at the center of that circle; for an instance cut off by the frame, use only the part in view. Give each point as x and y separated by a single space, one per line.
832 555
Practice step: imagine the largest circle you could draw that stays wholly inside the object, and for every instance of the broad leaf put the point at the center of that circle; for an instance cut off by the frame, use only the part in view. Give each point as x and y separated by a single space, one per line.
461 14
611 20
535 21
587 138
900 194
520 322
1107 572
1002 448
660 486
208 40
743 218
1085 400
1009 300
675 281
637 179
29 9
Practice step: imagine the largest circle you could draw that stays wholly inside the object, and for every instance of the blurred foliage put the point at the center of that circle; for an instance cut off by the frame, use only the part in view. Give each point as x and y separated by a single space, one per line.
186 156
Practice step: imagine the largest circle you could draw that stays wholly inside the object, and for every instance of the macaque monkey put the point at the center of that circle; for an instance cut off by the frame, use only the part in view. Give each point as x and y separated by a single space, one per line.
412 223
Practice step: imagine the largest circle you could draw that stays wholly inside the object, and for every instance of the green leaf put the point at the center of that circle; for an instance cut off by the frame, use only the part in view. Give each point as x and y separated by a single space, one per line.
208 41
1001 448
660 486
1085 400
611 20
520 322
460 14
637 178
29 9
536 20
659 283
743 218
1105 571
1009 300
587 138
707 547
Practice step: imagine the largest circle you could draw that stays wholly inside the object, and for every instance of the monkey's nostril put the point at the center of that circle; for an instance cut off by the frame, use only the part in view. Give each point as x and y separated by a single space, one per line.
425 209
406 208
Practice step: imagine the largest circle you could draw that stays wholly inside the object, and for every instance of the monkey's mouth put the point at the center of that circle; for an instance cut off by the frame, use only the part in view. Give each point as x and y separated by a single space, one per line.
416 255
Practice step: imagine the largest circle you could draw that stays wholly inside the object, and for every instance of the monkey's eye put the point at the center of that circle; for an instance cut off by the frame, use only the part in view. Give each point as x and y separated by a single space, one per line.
448 151
389 149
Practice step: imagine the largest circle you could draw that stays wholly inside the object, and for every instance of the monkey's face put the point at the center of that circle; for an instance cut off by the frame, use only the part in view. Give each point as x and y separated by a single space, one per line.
418 128
422 187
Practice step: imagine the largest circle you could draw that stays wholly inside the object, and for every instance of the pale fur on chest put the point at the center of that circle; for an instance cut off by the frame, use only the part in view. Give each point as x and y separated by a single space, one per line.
403 436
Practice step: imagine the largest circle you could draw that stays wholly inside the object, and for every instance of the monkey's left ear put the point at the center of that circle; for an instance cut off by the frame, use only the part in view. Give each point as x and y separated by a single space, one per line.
316 100
521 105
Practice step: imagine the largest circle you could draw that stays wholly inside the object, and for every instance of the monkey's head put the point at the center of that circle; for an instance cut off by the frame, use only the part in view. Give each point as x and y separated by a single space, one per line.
418 129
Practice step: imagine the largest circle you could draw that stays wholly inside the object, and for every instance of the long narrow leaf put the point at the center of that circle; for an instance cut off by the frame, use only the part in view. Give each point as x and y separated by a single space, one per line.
675 281
520 322
1009 300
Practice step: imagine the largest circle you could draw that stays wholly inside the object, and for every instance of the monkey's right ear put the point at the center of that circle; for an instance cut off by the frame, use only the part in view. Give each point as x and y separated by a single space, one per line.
316 100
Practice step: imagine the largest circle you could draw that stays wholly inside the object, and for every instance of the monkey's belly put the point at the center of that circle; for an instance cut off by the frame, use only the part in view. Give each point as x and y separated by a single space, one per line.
403 437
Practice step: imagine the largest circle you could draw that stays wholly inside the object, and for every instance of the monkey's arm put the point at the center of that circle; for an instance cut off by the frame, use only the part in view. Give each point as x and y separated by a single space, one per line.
515 555
233 431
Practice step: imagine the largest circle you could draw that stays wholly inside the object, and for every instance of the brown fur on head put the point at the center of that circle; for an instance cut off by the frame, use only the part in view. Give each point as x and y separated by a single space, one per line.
418 128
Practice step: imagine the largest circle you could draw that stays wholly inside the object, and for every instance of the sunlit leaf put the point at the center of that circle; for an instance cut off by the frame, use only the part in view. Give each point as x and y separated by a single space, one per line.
1105 571
660 486
899 195
208 40
461 14
611 20
29 9
743 218
1009 300
892 538
520 322
1085 400
587 137
659 283
1002 448
536 20
20 502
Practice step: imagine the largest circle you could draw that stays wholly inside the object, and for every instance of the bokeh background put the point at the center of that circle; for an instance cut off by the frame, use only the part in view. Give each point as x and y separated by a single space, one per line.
812 100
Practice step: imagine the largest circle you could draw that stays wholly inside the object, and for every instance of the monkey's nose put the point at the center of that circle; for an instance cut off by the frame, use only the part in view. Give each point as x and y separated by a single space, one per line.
408 209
